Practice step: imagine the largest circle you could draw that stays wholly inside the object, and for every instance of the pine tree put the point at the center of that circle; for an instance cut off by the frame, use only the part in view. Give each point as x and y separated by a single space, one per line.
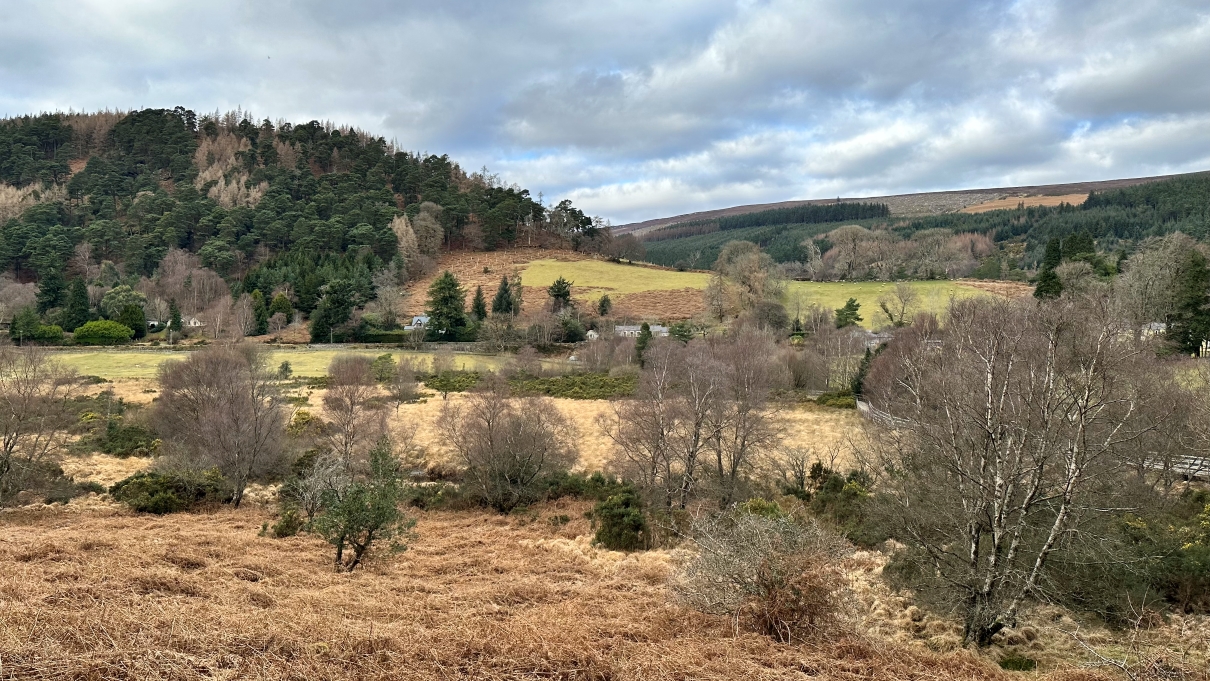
517 291
75 314
51 287
260 313
1054 254
446 307
503 302
281 304
133 317
560 295
24 327
604 305
1048 286
641 343
1190 324
175 324
479 305
848 315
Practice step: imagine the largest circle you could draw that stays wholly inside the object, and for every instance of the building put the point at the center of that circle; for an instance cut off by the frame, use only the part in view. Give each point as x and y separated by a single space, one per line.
633 331
418 322
592 335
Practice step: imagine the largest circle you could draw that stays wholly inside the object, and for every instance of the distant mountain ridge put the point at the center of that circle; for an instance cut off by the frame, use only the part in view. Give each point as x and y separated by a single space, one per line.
907 205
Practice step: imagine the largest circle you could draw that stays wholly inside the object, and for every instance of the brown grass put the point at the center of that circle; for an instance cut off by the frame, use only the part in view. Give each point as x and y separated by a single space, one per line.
118 596
1011 202
1008 289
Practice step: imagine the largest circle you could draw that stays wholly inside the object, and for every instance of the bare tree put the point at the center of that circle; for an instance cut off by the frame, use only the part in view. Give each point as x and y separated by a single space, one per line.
35 413
899 305
744 425
1012 422
221 406
355 419
643 429
507 444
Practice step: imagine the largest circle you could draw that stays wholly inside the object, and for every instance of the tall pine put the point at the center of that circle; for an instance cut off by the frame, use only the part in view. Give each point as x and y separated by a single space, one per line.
503 302
1189 325
75 313
446 308
479 305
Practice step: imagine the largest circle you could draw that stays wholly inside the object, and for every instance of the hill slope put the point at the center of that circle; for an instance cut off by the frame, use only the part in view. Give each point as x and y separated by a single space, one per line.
906 205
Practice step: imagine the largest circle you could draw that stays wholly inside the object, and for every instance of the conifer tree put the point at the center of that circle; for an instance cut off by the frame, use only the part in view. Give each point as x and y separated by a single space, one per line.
503 302
560 295
446 307
848 315
75 314
260 313
479 305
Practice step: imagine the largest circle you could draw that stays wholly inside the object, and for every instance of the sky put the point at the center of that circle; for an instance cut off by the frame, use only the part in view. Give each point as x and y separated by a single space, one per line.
644 109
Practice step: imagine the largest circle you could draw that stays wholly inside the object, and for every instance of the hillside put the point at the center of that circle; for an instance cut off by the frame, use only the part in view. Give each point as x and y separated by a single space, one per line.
1115 216
910 205
205 211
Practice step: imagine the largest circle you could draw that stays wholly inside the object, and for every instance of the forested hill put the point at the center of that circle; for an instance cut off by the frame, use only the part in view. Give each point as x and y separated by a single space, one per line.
1116 219
265 206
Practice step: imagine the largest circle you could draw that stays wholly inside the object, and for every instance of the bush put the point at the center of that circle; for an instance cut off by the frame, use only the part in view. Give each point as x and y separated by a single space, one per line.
102 332
448 382
289 524
365 513
48 333
585 386
621 524
841 399
778 577
123 441
161 493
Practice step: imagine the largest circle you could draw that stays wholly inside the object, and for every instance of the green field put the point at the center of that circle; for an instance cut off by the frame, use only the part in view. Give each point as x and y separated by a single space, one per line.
599 276
933 296
305 362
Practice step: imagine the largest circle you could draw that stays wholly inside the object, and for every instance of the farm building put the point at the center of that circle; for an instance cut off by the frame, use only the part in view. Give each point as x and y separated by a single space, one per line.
632 330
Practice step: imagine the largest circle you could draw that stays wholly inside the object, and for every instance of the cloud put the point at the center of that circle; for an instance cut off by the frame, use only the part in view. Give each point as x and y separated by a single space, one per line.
638 109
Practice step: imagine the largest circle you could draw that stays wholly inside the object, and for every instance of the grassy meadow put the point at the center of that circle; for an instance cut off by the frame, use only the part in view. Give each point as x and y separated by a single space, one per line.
591 278
933 296
306 362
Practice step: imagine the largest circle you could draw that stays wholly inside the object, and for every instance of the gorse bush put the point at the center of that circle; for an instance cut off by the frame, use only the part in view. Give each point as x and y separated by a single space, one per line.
585 386
161 493
620 522
123 440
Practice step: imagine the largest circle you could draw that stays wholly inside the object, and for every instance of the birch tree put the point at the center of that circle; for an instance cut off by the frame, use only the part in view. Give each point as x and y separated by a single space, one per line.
1013 424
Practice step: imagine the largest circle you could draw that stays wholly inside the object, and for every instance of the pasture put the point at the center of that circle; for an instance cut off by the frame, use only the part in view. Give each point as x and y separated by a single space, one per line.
305 362
592 278
932 296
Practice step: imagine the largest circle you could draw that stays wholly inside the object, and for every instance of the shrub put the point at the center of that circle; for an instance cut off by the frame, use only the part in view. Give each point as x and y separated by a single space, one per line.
841 399
102 332
364 512
778 577
621 524
585 386
1016 662
48 333
289 524
123 441
451 381
160 493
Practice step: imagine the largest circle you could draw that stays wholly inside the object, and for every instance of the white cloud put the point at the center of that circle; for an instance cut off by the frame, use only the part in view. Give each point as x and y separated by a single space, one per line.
636 109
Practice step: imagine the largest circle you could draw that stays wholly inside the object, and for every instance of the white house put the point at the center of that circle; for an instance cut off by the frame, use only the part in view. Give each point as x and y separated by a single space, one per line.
592 335
418 322
633 331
